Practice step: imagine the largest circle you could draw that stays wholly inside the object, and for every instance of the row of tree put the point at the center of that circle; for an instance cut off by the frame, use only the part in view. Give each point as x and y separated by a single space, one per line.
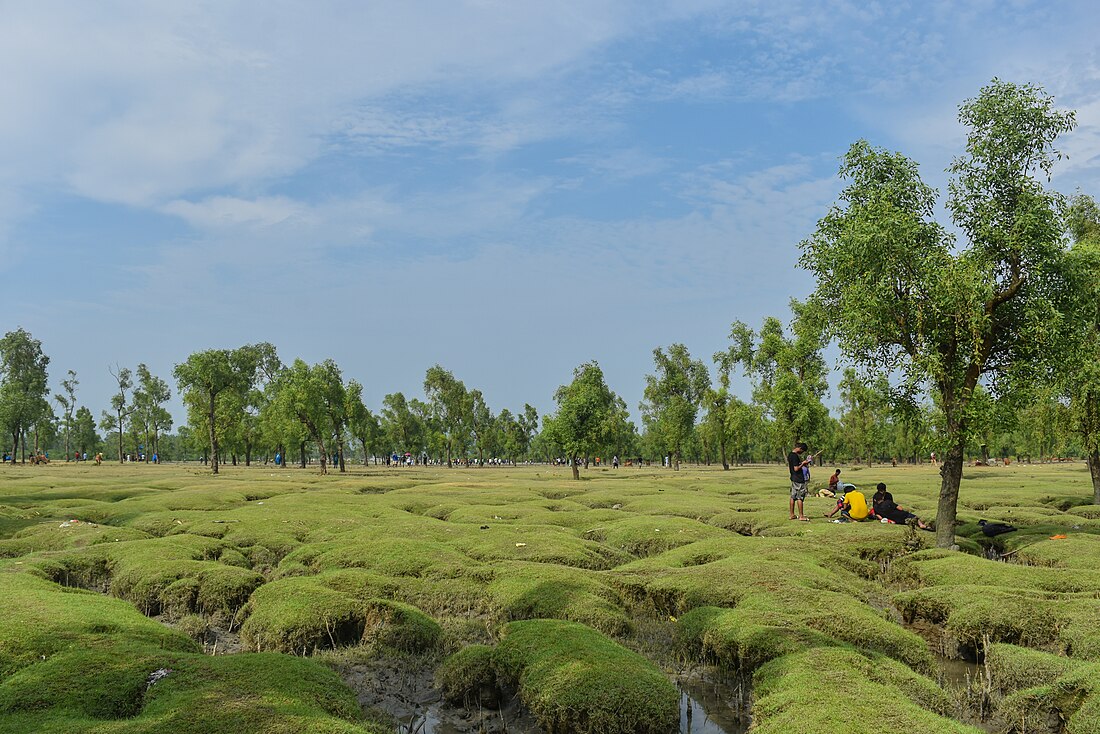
987 335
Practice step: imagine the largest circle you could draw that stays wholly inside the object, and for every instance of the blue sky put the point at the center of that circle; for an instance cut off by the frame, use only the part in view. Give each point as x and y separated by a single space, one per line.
505 188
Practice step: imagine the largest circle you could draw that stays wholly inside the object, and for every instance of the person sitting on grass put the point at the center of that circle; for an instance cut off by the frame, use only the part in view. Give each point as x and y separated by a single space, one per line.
834 483
851 504
890 511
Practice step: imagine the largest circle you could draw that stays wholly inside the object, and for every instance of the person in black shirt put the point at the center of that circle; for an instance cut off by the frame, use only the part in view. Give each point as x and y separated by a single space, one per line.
885 507
800 479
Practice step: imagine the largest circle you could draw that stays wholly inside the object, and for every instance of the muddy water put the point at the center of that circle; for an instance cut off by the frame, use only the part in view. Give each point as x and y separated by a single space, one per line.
410 698
711 707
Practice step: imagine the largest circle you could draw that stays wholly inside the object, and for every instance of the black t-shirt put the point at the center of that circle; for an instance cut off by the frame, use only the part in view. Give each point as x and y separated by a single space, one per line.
793 461
884 503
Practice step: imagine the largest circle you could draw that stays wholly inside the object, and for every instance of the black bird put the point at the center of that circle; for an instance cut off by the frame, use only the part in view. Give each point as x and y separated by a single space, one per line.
995 528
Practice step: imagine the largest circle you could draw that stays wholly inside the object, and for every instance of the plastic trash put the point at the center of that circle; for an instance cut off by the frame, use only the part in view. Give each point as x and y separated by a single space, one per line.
156 676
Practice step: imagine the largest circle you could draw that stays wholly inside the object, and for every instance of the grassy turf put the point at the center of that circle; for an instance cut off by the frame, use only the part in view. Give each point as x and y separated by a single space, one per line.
418 560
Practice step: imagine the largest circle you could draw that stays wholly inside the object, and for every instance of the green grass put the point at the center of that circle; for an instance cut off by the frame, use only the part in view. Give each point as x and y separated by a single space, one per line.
562 576
574 679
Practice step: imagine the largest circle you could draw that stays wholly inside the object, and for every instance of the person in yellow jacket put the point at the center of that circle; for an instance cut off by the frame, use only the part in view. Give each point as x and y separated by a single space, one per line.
852 505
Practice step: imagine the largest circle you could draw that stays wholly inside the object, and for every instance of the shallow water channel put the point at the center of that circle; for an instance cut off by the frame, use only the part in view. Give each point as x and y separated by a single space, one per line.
707 705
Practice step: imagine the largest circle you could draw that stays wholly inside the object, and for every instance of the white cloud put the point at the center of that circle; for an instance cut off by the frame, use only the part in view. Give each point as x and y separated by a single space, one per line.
220 212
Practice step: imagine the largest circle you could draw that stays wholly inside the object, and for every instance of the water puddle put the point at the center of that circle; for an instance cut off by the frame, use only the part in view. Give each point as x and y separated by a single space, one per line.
713 707
708 705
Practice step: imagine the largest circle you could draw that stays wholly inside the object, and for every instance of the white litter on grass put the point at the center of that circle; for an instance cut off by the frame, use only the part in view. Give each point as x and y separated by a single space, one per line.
521 545
155 676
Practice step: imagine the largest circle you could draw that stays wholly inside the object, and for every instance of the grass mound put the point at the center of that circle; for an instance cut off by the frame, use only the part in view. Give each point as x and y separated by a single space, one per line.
576 680
979 602
1044 692
836 690
468 678
304 614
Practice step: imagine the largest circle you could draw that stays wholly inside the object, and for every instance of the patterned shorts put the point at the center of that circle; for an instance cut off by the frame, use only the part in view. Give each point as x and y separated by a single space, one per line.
798 490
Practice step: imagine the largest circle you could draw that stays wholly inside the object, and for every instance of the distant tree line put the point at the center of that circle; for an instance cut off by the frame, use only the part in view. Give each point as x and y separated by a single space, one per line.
989 349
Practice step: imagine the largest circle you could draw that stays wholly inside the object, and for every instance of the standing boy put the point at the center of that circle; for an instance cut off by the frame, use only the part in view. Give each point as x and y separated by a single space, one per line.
800 479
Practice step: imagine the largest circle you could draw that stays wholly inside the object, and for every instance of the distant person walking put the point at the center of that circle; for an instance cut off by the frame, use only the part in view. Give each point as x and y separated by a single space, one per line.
800 480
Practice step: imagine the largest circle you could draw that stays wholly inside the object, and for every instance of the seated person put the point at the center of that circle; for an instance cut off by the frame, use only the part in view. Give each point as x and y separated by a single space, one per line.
890 511
852 505
834 482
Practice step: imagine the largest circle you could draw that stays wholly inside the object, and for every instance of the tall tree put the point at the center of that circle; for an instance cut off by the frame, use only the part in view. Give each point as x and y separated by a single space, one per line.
588 415
23 384
1080 378
482 424
84 436
451 404
67 400
317 398
866 405
902 295
788 373
673 396
150 397
362 423
206 375
400 424
121 405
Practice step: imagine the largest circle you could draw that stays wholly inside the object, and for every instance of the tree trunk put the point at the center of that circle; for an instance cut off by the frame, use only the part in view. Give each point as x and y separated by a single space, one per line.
14 445
481 457
213 436
324 457
573 465
676 461
366 454
951 472
120 437
1094 470
302 454
340 456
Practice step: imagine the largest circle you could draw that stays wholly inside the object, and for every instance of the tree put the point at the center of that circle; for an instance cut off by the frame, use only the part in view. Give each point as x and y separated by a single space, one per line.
67 400
84 436
587 417
401 425
363 424
23 385
1080 380
866 407
305 393
788 374
482 424
517 431
901 296
334 400
149 399
673 396
451 405
206 375
120 405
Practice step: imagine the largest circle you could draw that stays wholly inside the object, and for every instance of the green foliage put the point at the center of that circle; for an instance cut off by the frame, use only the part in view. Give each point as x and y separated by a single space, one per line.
209 374
673 396
451 406
902 296
575 679
788 372
589 415
23 387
